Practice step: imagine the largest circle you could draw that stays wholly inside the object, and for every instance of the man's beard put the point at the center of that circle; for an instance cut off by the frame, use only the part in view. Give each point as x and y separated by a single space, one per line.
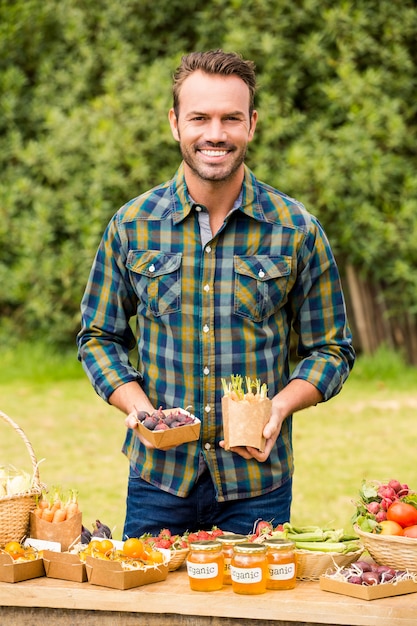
212 171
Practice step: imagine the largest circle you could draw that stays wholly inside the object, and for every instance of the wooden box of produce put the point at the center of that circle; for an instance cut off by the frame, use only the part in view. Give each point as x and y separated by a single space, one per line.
65 533
14 572
171 427
368 580
112 574
64 566
372 592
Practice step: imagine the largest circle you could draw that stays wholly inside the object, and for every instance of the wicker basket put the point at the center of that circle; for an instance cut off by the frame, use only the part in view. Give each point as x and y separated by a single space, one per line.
391 550
177 558
311 565
15 510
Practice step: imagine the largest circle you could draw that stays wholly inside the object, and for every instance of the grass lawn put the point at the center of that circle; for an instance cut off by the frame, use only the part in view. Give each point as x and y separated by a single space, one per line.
368 431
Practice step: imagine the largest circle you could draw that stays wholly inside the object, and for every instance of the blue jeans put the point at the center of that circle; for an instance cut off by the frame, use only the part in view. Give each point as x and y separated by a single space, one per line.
149 509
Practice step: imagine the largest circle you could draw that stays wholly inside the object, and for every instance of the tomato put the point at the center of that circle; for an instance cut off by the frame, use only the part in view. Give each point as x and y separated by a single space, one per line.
105 546
134 548
389 527
404 514
156 556
14 549
94 545
411 531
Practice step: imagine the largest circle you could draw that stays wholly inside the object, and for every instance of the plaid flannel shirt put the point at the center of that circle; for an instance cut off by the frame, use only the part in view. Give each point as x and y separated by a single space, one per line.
204 312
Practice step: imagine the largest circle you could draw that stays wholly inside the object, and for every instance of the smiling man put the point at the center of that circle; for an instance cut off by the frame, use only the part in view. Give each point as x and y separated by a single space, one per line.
216 267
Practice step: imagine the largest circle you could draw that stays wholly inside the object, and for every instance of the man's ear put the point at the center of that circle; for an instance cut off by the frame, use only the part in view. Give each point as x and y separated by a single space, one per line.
173 122
254 119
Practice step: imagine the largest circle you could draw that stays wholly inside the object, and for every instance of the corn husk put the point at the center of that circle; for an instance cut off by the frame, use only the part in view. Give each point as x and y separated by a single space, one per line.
14 481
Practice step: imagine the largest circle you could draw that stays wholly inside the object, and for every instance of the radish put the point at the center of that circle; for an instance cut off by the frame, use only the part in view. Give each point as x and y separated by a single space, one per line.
374 507
395 484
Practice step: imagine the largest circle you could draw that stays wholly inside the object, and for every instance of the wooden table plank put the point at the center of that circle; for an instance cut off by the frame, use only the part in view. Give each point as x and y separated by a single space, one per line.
305 605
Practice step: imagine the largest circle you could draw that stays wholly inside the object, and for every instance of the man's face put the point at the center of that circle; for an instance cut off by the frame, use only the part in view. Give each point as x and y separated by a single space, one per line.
213 126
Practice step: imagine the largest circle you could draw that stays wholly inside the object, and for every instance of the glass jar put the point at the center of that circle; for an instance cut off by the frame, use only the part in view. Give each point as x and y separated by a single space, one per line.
281 564
249 568
228 541
205 565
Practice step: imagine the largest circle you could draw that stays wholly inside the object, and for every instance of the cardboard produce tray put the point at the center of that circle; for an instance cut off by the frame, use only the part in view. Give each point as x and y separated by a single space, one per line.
111 574
12 572
65 566
364 592
163 439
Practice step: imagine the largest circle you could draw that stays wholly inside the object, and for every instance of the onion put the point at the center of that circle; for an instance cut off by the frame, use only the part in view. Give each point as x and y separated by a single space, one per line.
370 578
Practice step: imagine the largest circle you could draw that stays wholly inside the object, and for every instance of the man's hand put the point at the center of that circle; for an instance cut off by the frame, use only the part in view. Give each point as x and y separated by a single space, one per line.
270 432
131 421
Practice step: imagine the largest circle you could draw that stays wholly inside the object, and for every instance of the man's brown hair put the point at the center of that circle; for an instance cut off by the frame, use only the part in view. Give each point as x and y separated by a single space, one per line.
215 62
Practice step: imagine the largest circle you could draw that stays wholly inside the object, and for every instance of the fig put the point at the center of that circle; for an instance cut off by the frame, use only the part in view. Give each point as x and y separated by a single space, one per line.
85 535
150 422
101 530
142 415
170 419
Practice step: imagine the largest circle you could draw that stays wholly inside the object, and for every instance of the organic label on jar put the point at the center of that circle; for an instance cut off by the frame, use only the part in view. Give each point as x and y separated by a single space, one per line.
209 570
281 572
246 574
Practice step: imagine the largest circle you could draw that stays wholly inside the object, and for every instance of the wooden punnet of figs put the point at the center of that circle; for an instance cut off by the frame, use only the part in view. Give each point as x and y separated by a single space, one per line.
164 420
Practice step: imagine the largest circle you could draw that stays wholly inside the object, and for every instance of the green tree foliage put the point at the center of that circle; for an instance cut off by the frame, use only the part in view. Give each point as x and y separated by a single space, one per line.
84 95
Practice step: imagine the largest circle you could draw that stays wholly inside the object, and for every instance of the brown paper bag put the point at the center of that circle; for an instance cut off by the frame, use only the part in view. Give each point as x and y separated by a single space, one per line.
64 533
243 422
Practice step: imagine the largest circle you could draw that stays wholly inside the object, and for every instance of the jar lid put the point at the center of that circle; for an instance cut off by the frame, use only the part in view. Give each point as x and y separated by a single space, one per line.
206 545
231 538
279 544
250 548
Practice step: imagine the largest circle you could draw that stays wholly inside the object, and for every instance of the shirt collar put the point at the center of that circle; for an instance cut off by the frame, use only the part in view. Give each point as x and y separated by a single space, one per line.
248 200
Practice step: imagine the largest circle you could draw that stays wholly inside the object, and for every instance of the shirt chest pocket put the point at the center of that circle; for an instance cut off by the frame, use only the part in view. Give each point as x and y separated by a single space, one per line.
156 279
261 285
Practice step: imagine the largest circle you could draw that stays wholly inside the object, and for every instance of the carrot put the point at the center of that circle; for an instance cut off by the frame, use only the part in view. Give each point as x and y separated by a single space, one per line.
60 515
72 505
56 500
48 515
56 506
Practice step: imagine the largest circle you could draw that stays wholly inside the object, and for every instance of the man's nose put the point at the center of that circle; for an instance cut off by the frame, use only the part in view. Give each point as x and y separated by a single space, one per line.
215 131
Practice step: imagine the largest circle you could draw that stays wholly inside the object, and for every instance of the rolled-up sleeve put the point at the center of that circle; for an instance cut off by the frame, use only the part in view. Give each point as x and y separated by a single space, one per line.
106 338
320 320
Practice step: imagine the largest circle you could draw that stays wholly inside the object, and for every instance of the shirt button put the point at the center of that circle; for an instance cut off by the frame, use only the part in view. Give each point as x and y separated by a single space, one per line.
205 328
198 208
207 408
206 371
207 446
152 268
206 288
208 249
261 273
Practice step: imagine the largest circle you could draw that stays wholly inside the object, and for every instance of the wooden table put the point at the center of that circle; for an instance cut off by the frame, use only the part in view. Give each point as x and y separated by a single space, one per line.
50 601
